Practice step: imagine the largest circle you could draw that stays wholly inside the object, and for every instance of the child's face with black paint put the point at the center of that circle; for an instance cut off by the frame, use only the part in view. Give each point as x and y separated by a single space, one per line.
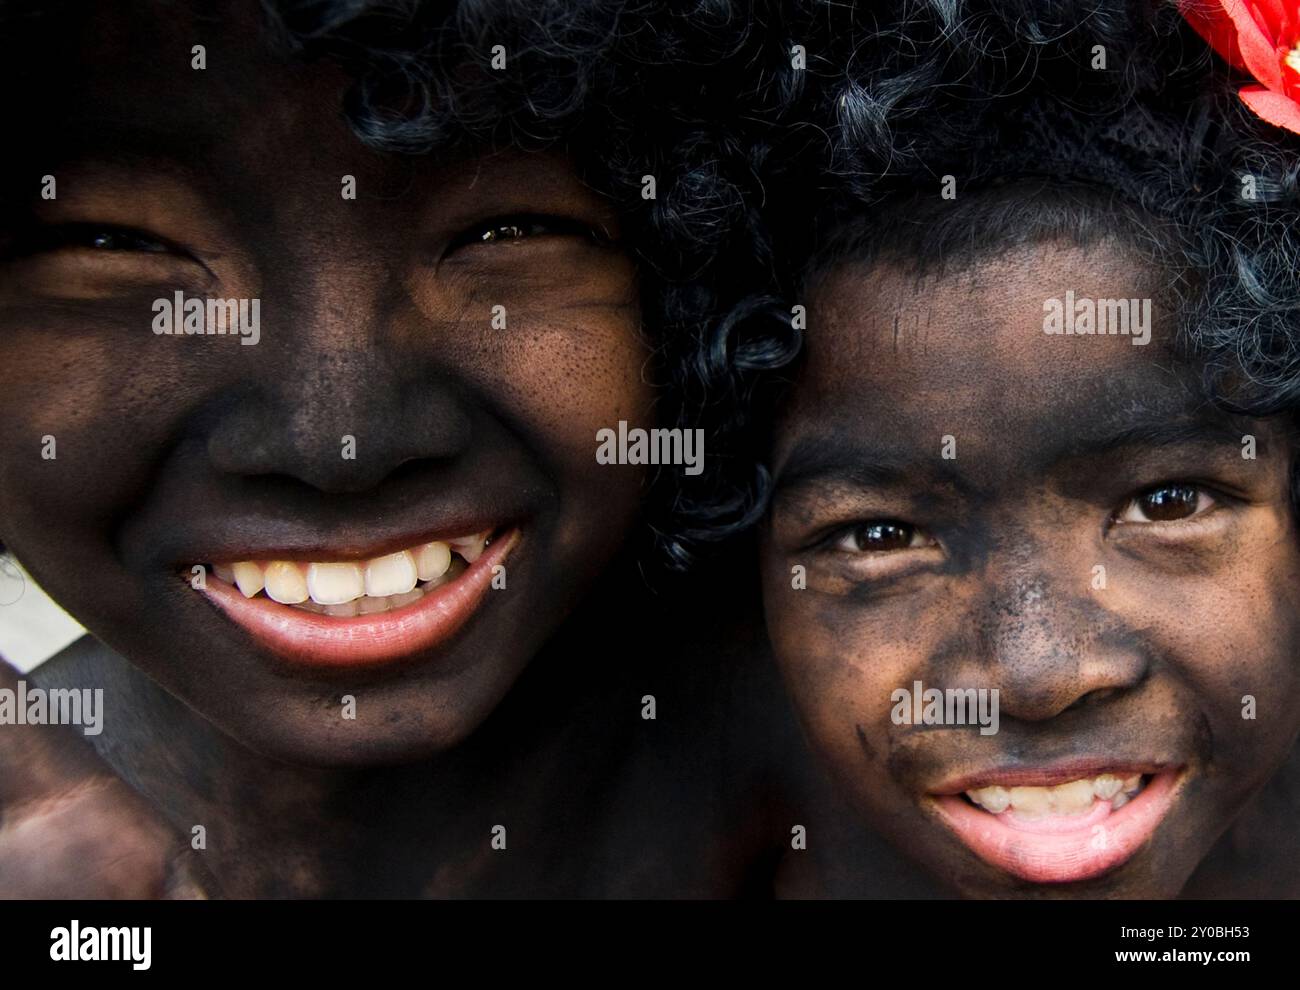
979 504
387 405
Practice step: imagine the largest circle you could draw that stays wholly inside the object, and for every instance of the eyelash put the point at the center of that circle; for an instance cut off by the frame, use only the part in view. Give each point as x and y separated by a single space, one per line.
1205 501
86 236
843 535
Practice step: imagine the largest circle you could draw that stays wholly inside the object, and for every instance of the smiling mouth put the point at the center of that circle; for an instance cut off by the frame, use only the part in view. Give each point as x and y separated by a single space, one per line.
1060 832
361 612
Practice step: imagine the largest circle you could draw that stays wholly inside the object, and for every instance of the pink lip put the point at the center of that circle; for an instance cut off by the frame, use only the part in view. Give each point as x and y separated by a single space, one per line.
1061 849
313 640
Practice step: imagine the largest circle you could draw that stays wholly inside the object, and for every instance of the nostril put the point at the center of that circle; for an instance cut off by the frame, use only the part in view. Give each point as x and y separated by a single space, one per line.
1091 698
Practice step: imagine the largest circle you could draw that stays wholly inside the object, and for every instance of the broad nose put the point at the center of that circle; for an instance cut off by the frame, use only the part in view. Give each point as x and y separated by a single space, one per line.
1050 644
343 403
340 424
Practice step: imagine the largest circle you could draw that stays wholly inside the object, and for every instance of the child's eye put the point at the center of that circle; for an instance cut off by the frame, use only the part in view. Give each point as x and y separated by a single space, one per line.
95 237
881 536
1167 503
505 230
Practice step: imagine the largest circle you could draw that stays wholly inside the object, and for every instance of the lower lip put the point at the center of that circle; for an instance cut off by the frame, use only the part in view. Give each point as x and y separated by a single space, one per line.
1057 849
323 641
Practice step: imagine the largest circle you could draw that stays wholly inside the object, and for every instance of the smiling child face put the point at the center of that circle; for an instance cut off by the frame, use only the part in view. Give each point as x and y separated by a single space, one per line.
382 410
1098 550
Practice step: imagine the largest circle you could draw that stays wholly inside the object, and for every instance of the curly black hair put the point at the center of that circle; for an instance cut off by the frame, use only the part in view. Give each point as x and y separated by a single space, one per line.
680 90
1055 118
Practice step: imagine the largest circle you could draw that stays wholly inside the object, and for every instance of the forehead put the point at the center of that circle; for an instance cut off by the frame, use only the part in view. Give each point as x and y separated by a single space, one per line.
968 349
984 319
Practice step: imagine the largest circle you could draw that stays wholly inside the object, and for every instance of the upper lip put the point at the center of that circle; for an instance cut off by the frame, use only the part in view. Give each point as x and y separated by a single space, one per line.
342 546
1021 775
261 528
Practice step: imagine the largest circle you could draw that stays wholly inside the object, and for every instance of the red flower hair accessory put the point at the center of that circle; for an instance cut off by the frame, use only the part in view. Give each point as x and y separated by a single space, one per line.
1262 38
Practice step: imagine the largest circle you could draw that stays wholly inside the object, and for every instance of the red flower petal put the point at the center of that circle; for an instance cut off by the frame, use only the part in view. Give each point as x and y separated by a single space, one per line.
1231 28
1274 17
1216 27
1258 50
1275 108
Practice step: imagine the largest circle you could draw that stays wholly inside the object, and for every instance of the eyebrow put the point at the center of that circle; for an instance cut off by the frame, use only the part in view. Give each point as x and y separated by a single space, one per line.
864 463
1201 430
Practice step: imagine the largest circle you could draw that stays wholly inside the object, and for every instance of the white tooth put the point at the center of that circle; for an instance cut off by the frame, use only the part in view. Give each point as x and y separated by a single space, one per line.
391 575
334 584
223 572
470 547
1032 802
248 577
414 595
285 583
995 799
1131 784
1107 786
432 560
345 610
1118 801
371 606
1072 798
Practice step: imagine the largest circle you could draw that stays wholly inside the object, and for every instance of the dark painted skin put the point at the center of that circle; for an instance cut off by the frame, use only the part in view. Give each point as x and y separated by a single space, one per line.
173 451
987 578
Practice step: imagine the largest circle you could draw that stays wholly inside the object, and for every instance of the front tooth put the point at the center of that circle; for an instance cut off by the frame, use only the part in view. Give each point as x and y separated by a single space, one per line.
471 547
285 583
248 577
432 561
394 574
1074 797
1033 802
1106 786
335 584
995 799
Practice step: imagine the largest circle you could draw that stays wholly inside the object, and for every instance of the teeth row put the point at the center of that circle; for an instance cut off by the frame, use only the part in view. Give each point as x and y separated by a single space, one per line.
1064 799
351 587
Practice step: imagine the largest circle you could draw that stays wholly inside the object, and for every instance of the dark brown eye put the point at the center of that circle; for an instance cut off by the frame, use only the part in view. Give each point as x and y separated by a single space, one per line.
1168 503
880 536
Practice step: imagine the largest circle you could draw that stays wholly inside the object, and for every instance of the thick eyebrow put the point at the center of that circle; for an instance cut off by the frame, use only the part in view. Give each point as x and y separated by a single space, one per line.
863 463
1201 430
858 462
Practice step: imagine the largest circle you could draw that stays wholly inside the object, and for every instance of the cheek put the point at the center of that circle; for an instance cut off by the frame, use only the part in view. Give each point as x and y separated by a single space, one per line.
79 415
561 384
842 662
1233 639
569 381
